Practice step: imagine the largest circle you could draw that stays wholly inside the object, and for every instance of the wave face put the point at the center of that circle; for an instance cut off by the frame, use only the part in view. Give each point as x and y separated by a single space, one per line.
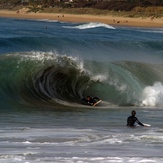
39 78
57 64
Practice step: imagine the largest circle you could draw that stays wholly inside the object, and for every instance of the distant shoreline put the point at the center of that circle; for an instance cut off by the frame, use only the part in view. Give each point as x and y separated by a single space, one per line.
107 19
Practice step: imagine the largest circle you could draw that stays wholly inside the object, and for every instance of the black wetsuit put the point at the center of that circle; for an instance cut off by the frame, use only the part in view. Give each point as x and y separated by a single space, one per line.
131 121
92 100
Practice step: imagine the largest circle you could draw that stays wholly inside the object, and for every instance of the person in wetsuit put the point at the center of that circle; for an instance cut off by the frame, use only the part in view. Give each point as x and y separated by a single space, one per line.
132 119
91 100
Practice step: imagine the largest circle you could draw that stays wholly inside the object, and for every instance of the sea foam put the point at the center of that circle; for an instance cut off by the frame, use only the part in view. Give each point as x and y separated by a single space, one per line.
153 95
90 25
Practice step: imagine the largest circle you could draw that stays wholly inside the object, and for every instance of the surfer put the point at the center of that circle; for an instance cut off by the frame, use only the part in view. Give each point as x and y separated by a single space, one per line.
132 119
91 100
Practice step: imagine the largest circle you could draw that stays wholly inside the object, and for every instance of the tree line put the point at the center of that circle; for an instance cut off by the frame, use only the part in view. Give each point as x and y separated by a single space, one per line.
112 5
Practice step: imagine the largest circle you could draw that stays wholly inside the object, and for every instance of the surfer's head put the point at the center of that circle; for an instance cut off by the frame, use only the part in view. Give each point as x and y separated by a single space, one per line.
133 113
88 98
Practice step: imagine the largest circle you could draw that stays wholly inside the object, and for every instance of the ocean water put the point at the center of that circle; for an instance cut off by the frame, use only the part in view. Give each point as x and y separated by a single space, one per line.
47 67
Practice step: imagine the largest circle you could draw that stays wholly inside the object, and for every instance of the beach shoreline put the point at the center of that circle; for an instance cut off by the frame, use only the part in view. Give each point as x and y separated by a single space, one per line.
84 18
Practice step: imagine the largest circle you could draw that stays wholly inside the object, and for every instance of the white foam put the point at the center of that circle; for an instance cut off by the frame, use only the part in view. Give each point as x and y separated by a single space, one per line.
153 95
156 30
108 159
51 56
91 25
151 138
46 20
99 78
27 142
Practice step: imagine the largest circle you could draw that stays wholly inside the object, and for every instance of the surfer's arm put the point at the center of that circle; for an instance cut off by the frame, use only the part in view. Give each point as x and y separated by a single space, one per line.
137 121
86 102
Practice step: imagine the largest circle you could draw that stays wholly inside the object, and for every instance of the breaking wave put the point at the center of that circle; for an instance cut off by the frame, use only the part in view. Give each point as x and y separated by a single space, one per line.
91 25
39 78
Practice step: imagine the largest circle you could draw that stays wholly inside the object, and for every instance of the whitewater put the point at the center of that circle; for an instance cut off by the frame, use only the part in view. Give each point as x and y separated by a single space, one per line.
47 67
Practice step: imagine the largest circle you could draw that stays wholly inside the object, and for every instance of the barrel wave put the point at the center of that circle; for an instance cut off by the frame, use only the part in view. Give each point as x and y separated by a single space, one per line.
52 80
56 64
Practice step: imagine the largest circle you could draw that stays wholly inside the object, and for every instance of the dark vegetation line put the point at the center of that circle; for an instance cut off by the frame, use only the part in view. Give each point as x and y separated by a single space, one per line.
112 5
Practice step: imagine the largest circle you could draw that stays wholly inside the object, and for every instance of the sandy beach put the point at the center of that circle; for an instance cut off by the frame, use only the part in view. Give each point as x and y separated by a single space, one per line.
108 19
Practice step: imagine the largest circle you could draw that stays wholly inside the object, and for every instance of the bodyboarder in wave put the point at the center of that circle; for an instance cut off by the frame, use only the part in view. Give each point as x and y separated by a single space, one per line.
91 100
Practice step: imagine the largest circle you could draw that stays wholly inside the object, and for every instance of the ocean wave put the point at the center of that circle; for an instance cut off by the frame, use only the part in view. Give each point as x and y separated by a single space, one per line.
91 25
41 78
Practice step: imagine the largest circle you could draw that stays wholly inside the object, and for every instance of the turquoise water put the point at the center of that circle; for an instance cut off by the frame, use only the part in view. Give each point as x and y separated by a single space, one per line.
47 67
